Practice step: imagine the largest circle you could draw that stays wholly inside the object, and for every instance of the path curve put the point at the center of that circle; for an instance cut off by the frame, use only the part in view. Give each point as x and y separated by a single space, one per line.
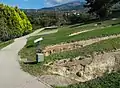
11 76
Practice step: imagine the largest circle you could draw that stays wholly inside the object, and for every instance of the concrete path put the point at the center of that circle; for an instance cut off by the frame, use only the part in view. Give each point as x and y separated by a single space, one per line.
11 76
48 32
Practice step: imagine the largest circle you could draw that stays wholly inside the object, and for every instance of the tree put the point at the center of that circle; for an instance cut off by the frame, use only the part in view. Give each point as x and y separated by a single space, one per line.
13 23
100 8
4 35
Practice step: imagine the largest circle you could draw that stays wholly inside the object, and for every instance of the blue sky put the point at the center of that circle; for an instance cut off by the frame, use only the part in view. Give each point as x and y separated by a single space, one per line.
35 3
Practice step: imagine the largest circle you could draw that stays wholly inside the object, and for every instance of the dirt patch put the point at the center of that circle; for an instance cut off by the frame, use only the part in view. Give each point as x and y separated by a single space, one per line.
99 28
77 33
45 32
75 45
60 48
56 80
88 68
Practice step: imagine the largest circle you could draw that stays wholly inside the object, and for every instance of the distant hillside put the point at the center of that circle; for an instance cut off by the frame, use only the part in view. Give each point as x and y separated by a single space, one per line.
75 5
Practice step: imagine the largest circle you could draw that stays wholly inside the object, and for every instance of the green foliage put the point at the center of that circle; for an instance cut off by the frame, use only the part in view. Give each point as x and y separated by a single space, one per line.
14 23
50 18
4 35
101 8
76 17
42 19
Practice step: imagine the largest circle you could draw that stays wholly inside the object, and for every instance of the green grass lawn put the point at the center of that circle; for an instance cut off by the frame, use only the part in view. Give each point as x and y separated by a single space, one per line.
108 81
4 44
29 50
62 36
106 45
63 33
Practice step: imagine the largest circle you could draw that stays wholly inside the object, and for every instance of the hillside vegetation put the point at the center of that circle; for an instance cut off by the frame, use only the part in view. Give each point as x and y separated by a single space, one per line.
13 23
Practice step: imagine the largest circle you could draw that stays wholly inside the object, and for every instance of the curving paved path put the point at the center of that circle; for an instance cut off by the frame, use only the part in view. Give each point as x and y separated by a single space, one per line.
11 76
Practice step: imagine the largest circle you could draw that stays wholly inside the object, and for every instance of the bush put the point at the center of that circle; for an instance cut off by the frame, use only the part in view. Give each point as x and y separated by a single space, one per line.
13 22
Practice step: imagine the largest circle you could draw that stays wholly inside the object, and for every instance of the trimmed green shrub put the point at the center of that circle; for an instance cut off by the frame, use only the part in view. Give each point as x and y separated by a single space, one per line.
13 23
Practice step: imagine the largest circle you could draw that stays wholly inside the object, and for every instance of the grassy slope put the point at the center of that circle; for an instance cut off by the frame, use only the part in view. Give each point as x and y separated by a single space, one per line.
108 81
106 45
4 44
29 50
62 36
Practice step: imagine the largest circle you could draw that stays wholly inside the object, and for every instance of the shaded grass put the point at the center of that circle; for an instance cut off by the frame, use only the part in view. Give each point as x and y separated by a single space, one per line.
4 44
92 25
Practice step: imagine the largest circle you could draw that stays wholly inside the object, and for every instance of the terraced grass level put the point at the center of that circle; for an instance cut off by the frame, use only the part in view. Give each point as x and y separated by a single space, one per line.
62 36
38 69
105 45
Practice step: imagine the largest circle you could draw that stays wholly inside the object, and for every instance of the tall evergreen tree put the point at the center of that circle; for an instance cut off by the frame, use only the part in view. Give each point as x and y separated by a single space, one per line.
100 7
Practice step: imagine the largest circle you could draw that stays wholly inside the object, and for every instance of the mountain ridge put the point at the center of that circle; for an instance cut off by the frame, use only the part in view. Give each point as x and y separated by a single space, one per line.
74 5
